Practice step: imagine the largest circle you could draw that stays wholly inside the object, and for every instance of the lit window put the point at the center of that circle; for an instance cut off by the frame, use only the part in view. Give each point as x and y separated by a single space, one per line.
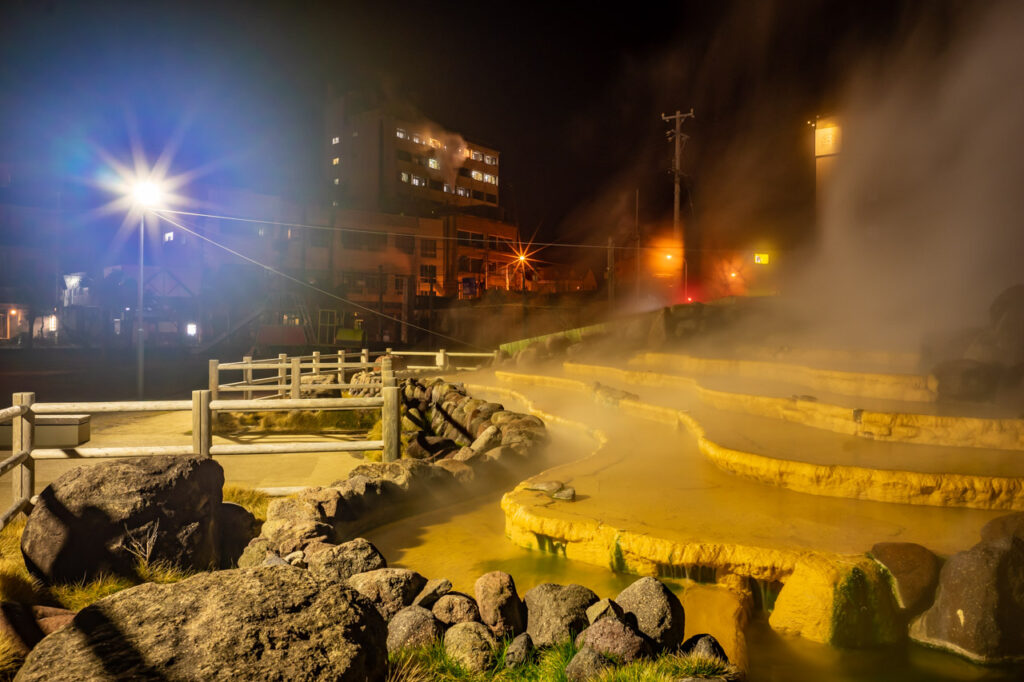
417 181
490 160
434 163
488 178
477 175
477 156
416 138
337 181
335 140
168 237
335 161
436 144
447 188
462 191
401 134
334 204
467 152
405 177
192 328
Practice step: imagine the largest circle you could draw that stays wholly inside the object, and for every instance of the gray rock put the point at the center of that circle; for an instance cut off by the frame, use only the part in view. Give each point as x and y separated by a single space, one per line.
604 608
964 379
240 624
460 471
501 609
432 591
491 437
236 527
456 607
340 562
915 570
557 612
466 455
293 523
1004 526
979 605
659 615
549 487
566 494
586 665
389 589
296 559
255 553
273 560
612 637
519 651
703 645
472 645
105 518
412 627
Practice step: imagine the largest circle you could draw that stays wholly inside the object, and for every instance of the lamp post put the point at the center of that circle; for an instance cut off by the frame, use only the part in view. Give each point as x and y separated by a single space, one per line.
145 194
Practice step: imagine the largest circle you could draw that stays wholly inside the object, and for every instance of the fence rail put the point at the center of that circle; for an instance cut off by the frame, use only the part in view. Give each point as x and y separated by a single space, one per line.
282 389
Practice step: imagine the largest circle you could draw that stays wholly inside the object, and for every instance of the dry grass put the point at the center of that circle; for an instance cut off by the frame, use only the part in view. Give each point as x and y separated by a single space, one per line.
295 421
253 500
11 658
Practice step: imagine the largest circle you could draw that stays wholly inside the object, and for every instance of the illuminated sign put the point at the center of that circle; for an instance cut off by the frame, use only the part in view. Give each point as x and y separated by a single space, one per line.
826 140
762 258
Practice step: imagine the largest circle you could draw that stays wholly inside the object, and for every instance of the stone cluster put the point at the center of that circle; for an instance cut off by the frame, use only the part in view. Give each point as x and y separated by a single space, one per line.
460 444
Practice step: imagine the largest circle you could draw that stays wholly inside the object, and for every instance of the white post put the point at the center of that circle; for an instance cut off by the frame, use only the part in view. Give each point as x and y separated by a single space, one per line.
202 423
282 374
214 378
247 375
23 480
341 366
316 363
442 359
364 357
296 378
391 418
387 374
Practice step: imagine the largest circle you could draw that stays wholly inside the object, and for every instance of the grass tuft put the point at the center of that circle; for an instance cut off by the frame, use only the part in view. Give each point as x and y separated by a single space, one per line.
253 500
76 596
11 658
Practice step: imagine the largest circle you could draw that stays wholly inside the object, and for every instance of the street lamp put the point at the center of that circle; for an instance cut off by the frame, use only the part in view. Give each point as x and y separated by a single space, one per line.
145 194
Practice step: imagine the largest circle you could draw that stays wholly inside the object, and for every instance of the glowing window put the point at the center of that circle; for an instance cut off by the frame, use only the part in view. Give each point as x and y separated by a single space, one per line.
489 178
447 188
405 177
335 161
762 258
434 163
337 181
490 160
401 134
467 152
416 138
417 181
436 144
477 175
335 140
192 328
168 237
477 156
462 191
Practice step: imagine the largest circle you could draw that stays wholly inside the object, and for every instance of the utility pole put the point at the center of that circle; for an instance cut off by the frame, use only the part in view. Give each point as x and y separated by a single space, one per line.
611 273
679 139
636 235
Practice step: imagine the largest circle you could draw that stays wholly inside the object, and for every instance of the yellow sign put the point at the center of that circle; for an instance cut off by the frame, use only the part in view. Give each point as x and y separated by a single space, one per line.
762 258
826 140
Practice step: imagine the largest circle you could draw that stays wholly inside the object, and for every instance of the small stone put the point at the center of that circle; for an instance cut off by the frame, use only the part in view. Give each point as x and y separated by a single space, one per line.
296 559
549 487
604 608
519 651
566 494
432 591
612 637
915 570
274 560
703 645
586 665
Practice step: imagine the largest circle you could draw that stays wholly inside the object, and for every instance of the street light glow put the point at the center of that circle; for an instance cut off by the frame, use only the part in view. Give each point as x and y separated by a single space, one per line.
732 274
522 258
146 193
668 256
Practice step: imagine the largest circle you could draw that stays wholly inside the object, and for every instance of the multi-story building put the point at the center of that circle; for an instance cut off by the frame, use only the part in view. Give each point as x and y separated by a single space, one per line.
388 157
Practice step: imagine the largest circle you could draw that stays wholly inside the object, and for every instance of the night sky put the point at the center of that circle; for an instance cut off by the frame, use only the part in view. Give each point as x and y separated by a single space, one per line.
570 95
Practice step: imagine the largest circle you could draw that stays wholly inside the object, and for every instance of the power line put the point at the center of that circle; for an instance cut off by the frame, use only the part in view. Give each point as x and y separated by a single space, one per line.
335 228
314 288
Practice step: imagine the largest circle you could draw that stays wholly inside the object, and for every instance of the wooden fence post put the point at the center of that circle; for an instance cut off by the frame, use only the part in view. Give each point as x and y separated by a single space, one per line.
23 479
202 423
341 366
296 378
364 357
214 378
247 375
391 424
316 363
387 374
282 374
442 358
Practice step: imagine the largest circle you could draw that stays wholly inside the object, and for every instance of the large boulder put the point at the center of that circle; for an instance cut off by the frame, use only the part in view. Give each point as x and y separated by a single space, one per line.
21 626
413 626
241 624
659 614
236 526
472 645
389 589
108 517
1004 526
611 637
501 609
915 570
556 613
979 606
340 562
